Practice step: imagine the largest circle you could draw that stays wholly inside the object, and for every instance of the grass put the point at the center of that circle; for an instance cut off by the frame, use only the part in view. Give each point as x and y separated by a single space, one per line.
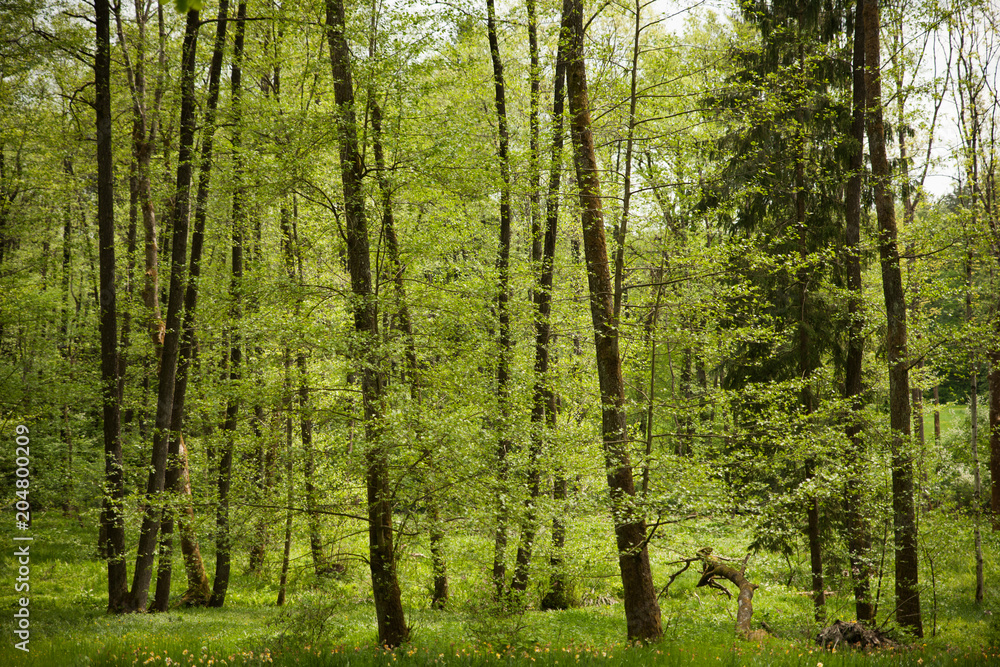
333 623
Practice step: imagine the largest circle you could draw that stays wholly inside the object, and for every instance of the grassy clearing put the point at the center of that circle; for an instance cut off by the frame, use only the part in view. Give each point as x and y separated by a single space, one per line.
332 623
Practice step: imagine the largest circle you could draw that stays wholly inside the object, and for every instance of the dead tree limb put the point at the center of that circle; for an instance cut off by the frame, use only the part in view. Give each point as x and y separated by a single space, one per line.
713 568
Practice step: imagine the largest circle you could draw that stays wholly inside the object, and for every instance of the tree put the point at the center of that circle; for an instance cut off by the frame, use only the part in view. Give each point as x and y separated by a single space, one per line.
858 535
149 530
388 606
223 542
642 612
904 518
112 520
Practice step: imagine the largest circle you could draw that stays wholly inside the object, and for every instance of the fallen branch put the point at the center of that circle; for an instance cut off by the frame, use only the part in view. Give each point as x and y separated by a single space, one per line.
713 568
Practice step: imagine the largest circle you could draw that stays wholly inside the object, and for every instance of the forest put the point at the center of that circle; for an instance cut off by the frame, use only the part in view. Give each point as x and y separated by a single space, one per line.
474 332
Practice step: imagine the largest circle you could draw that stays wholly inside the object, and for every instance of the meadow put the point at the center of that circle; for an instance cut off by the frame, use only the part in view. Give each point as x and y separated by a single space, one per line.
331 622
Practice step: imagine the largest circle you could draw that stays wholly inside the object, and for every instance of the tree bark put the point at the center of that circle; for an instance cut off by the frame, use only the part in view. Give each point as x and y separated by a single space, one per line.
439 565
112 521
223 544
504 342
642 611
289 465
388 605
712 568
805 352
904 517
858 533
543 256
168 363
198 592
977 489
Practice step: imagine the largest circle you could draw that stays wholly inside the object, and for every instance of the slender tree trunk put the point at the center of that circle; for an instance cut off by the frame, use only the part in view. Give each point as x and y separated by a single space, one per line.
937 414
993 381
805 363
904 517
388 606
440 595
289 466
198 591
557 596
642 611
504 344
858 533
293 269
168 363
622 228
974 436
651 324
223 543
112 521
543 256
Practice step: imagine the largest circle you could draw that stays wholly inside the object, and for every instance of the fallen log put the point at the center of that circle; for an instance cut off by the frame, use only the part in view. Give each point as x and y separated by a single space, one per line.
714 568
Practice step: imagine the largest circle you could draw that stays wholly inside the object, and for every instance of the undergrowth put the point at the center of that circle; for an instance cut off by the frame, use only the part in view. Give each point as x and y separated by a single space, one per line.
331 621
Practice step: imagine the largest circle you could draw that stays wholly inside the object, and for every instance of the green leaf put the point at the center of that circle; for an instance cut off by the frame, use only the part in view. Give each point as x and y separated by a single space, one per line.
185 6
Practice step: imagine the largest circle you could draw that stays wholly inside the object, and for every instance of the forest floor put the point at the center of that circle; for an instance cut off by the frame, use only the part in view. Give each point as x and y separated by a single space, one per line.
332 622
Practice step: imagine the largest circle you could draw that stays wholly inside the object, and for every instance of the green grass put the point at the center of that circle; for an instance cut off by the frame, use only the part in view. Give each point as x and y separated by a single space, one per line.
333 624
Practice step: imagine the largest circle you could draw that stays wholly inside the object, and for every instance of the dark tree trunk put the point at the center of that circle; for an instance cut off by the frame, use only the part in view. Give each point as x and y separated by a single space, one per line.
805 365
289 465
504 343
557 595
223 544
112 522
440 595
262 476
642 611
293 267
622 229
198 592
904 518
392 627
171 342
974 436
993 379
543 255
858 534
937 414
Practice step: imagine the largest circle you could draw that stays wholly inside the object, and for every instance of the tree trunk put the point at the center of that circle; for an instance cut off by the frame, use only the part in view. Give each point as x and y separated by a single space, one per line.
197 592
804 362
904 518
504 343
440 595
392 627
974 435
858 534
112 521
993 378
289 466
168 364
642 611
557 595
223 543
937 414
543 256
293 267
622 229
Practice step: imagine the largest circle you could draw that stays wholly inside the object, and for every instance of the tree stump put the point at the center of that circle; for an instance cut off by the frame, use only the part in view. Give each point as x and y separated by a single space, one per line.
853 633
